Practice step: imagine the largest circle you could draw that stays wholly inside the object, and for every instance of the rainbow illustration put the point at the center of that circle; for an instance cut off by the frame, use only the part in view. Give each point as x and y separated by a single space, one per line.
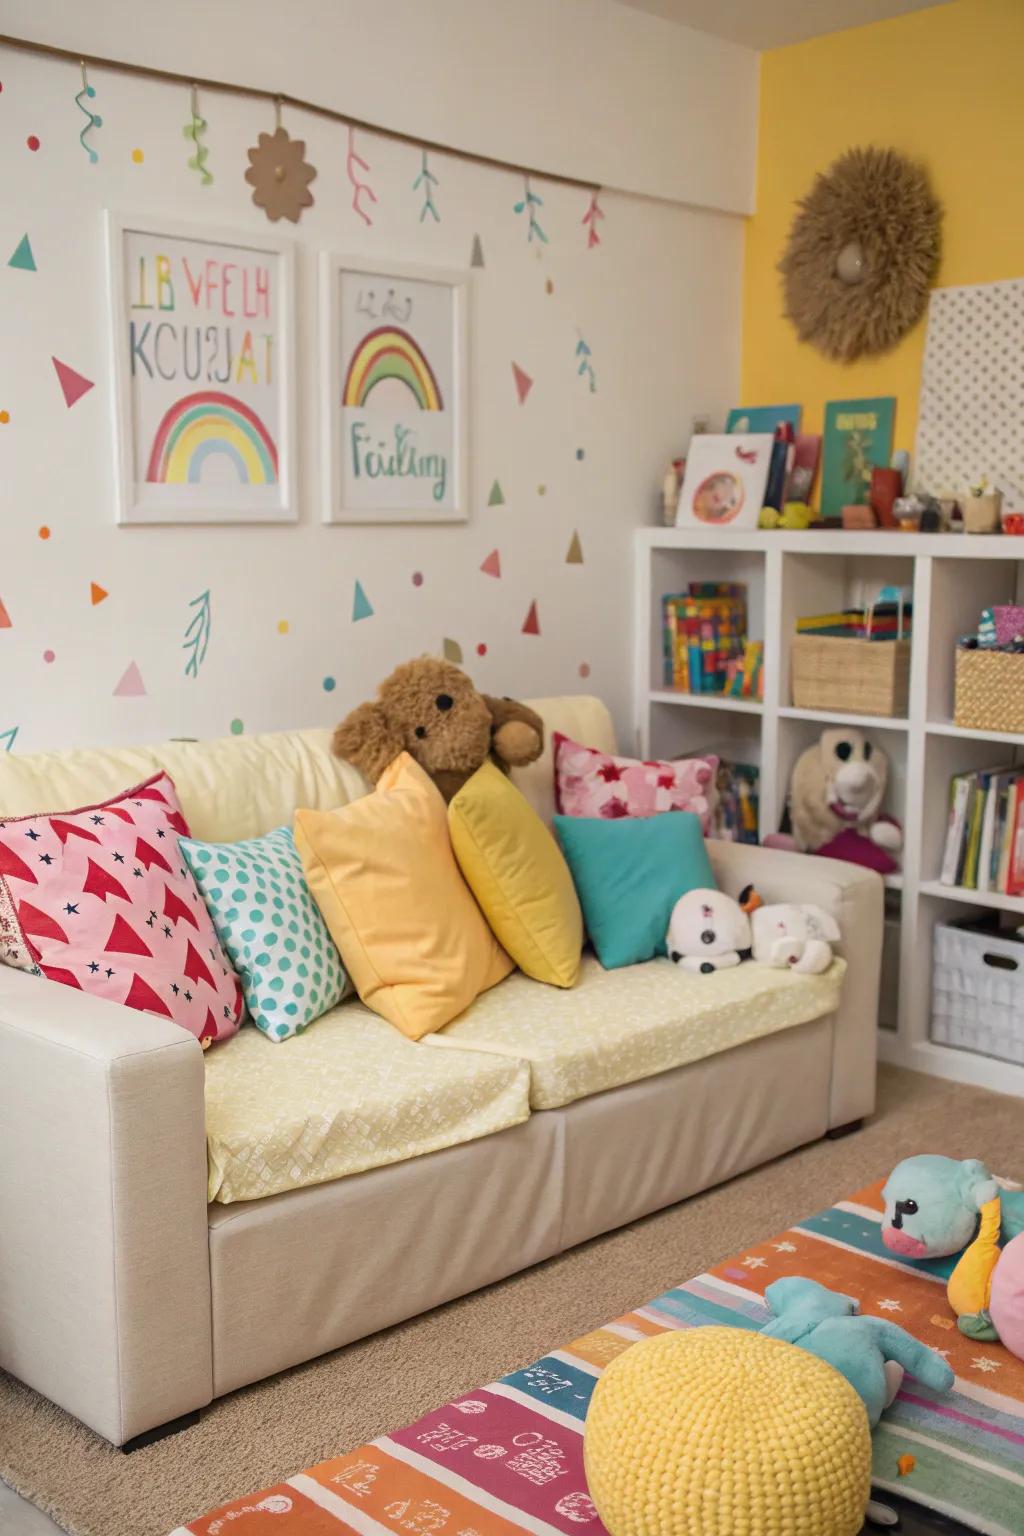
391 353
199 426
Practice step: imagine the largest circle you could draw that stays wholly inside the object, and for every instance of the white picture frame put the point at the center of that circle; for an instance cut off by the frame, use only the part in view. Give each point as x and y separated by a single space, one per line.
201 323
399 333
725 479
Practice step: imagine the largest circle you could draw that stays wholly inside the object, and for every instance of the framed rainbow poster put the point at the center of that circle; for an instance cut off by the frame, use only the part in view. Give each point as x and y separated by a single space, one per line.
202 353
395 386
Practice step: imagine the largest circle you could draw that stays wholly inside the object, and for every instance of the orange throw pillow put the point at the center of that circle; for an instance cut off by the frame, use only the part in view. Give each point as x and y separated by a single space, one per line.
383 874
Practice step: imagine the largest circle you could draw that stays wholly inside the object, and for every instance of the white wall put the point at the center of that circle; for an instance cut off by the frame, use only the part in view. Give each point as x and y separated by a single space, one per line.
658 303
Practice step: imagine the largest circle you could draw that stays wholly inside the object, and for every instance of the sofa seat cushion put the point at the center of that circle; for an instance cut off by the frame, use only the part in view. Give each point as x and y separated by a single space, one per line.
349 1095
616 1027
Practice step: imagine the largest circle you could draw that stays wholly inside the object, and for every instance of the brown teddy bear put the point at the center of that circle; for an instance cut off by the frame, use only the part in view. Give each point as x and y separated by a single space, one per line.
430 709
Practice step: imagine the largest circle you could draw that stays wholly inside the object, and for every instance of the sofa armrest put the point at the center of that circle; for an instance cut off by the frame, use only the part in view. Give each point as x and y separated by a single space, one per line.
104 1253
855 898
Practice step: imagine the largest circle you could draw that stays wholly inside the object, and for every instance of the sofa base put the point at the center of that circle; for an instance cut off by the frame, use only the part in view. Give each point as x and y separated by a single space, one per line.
837 1132
341 1260
161 1432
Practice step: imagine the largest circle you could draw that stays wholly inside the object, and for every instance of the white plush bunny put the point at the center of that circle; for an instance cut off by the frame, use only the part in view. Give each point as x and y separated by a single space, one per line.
797 937
706 932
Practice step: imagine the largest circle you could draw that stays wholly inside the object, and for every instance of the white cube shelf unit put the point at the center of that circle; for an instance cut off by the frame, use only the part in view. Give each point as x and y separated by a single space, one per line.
789 574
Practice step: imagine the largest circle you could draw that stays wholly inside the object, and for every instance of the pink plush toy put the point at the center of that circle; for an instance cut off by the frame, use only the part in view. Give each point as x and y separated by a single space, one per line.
1006 1305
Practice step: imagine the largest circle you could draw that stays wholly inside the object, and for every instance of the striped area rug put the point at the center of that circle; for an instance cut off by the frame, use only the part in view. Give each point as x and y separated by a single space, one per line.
509 1457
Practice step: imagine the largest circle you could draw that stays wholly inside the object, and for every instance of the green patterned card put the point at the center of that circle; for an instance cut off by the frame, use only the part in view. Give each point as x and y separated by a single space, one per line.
858 439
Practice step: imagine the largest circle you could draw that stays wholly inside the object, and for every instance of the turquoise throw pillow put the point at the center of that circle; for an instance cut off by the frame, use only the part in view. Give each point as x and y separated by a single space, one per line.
271 928
629 874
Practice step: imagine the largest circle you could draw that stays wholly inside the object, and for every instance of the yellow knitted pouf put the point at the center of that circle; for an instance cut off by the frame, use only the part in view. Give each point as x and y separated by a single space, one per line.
722 1432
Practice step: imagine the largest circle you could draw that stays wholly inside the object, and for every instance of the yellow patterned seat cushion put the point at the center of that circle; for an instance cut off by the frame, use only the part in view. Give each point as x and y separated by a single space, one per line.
349 1094
616 1027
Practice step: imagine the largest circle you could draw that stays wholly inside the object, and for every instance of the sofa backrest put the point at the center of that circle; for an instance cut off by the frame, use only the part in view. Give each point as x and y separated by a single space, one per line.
243 786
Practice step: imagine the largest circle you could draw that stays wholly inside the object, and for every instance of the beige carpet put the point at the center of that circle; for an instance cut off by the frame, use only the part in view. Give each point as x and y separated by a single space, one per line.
268 1431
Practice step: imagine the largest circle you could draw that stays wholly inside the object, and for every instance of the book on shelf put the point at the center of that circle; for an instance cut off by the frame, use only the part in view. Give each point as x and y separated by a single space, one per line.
704 633
857 439
735 813
984 849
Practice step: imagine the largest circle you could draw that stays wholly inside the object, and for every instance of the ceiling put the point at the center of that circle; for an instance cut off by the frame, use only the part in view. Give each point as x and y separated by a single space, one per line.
775 23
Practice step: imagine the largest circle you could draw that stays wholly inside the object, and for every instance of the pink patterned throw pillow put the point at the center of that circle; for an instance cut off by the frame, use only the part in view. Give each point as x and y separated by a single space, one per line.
592 783
101 899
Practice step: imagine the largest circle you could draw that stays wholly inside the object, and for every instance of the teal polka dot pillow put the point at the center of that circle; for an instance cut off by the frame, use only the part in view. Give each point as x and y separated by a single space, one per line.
271 929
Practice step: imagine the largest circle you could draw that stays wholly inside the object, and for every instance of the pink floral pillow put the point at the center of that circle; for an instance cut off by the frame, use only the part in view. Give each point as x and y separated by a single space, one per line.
101 899
592 783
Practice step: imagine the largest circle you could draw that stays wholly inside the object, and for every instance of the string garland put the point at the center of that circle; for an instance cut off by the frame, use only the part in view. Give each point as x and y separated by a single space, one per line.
229 88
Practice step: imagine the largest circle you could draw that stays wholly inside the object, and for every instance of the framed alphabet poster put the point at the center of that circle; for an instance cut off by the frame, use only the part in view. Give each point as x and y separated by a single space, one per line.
395 390
202 349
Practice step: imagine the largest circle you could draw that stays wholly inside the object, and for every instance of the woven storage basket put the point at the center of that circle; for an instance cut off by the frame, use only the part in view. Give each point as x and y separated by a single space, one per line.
978 992
989 690
857 677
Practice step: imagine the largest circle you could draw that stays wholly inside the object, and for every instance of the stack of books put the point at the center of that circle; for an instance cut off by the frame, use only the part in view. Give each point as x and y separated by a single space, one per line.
705 630
985 837
879 623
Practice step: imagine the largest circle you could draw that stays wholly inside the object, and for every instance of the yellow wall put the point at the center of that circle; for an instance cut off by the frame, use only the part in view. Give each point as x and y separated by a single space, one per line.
945 85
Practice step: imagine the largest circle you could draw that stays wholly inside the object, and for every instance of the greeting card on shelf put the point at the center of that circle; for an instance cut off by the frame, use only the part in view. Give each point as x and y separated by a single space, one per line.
725 480
763 418
201 330
858 439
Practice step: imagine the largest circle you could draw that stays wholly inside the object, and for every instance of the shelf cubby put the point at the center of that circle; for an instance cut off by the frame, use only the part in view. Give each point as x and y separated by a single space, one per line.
788 574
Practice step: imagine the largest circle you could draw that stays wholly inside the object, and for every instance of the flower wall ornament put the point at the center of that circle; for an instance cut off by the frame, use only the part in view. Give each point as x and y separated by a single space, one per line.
279 174
862 253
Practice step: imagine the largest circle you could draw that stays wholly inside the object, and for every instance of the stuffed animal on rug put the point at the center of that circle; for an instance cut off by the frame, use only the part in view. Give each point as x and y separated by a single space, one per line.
935 1207
708 931
835 801
870 1352
799 937
430 709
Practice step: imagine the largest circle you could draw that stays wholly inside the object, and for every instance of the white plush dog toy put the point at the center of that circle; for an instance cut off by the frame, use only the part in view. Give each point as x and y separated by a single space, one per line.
706 932
797 937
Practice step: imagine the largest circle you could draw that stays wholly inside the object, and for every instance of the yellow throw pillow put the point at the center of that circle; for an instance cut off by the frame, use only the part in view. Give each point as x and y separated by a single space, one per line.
383 874
516 871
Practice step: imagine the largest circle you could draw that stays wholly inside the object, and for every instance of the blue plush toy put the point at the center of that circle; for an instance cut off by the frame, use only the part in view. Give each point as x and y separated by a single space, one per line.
932 1205
870 1352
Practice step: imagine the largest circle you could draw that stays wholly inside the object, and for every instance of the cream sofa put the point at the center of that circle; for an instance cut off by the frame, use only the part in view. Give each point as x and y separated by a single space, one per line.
538 1119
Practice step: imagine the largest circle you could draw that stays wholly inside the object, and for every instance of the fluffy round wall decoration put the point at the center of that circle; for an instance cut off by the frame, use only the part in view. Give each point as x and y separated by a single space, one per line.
862 253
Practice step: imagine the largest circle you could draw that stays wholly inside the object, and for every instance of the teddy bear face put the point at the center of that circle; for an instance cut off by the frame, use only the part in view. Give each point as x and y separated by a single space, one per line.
433 708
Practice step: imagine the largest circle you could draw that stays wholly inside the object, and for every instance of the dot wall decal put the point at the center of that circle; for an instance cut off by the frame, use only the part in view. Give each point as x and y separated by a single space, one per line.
580 453
44 532
549 286
282 626
542 490
329 684
5 417
417 578
137 157
584 669
481 649
33 142
237 727
49 656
